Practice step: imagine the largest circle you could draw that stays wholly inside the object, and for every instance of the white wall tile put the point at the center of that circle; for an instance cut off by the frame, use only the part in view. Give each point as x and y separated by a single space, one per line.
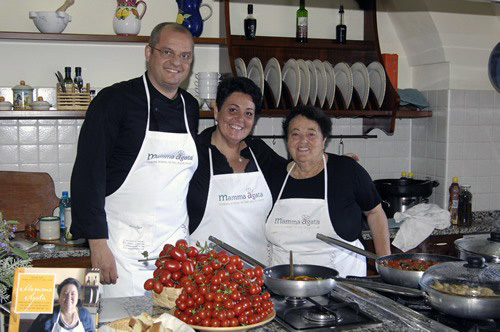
28 154
472 99
457 98
67 153
9 154
66 134
28 134
29 167
47 134
48 153
9 135
486 98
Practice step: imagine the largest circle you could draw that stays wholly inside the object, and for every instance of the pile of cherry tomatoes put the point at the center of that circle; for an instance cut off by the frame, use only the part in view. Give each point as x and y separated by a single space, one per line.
217 291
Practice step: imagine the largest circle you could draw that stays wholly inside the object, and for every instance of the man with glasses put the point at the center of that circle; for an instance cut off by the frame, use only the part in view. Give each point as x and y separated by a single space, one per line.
136 155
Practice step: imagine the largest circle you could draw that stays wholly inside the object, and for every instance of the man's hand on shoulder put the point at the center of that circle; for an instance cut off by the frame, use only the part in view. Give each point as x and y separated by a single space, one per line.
102 258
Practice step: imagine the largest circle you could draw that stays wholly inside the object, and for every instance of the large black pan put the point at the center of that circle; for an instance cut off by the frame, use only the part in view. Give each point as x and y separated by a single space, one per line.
388 274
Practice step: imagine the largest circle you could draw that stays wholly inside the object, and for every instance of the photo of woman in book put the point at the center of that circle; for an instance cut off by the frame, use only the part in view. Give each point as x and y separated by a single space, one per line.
68 315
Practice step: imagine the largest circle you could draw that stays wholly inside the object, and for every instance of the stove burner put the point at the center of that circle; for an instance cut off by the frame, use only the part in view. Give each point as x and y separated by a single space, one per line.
323 316
295 301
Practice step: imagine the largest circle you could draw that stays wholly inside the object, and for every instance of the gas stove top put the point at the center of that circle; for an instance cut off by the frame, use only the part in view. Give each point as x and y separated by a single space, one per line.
320 314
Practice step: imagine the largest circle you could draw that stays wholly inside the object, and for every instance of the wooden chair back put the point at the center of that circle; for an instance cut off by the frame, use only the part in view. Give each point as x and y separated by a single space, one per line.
25 196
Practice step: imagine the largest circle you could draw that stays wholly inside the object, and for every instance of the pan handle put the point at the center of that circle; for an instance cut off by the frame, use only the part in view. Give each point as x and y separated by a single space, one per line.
381 287
344 245
236 252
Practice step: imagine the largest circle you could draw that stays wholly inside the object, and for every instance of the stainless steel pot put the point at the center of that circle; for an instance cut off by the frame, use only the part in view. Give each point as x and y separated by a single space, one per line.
388 274
465 289
296 288
488 248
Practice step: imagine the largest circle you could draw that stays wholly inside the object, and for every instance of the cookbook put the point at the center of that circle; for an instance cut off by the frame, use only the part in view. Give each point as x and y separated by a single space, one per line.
43 297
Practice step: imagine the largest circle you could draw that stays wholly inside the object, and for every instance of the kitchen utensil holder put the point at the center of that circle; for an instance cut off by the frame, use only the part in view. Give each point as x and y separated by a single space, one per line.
73 101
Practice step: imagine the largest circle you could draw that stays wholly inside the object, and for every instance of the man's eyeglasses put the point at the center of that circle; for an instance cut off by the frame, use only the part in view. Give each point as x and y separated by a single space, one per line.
169 54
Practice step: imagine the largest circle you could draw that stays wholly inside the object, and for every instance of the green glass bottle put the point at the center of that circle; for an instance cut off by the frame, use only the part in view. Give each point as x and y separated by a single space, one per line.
302 23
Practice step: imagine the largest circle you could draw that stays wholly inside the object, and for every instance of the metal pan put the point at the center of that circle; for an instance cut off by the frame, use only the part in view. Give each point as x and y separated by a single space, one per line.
388 274
291 288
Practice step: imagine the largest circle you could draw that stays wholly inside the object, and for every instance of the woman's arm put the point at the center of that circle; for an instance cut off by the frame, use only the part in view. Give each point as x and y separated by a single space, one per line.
379 227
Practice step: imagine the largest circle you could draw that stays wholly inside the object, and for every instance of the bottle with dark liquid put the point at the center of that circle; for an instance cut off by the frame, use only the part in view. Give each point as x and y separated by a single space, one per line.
465 206
68 81
78 78
302 23
341 28
250 24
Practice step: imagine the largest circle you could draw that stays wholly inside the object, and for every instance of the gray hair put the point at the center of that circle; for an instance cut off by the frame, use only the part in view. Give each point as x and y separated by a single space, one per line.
155 34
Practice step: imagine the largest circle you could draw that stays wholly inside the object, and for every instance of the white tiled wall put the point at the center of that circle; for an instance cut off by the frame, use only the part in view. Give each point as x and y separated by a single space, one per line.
462 139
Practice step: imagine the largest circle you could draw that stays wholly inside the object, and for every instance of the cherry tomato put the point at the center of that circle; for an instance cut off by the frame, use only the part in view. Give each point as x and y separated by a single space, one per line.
231 268
157 286
172 265
178 254
165 277
192 252
187 267
167 247
258 271
148 285
181 243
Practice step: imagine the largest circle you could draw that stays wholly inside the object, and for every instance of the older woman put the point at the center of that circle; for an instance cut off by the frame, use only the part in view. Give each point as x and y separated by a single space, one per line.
229 197
322 193
67 316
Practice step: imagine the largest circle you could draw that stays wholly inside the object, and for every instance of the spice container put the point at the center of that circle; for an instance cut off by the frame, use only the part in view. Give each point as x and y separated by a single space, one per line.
49 228
5 105
40 105
30 231
22 96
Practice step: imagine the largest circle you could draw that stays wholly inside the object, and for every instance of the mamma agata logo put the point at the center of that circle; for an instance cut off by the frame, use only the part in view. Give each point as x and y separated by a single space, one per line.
305 220
179 156
249 196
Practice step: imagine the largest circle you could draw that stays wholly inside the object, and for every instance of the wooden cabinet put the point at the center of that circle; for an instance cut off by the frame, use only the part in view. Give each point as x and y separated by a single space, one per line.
233 46
434 244
63 262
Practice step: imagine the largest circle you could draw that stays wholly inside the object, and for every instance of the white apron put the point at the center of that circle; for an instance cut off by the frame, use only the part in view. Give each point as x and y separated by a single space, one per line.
149 209
59 328
293 225
236 211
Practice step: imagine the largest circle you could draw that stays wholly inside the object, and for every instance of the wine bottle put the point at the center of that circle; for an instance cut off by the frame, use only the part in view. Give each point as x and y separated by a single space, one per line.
250 24
68 81
302 23
341 28
78 78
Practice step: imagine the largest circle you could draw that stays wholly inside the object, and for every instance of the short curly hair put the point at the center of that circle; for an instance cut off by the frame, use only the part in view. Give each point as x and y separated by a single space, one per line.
312 113
230 85
68 281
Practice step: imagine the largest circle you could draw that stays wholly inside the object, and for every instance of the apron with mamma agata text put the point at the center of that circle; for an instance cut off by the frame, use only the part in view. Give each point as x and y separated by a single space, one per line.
58 328
293 224
149 209
236 211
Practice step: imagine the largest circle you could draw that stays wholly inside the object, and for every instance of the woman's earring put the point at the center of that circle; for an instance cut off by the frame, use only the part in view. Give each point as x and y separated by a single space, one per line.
216 122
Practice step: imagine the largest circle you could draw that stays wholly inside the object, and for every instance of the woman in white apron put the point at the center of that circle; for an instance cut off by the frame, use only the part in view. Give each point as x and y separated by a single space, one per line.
68 316
228 196
294 222
138 212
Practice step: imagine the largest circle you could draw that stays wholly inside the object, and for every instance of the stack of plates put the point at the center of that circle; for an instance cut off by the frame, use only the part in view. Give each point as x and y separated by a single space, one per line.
305 81
255 72
330 83
291 77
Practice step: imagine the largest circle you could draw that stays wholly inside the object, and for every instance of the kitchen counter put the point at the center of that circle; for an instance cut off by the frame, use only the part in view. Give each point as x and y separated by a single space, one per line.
484 222
394 316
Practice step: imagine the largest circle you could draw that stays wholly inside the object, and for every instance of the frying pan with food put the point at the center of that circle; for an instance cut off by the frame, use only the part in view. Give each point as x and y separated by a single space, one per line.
387 265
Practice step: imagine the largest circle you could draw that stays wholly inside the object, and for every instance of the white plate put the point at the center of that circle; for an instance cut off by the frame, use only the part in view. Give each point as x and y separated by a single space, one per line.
330 83
321 74
361 81
305 81
376 73
313 92
255 72
343 80
241 69
272 74
291 77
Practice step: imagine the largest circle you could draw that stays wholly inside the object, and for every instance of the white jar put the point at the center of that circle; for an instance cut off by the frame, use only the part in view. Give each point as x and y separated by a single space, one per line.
50 228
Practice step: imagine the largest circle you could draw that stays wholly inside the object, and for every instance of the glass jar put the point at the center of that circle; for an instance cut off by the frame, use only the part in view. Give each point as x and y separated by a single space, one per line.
30 231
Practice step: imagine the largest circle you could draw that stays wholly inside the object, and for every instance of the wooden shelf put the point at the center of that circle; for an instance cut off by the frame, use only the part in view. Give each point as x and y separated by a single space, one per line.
71 37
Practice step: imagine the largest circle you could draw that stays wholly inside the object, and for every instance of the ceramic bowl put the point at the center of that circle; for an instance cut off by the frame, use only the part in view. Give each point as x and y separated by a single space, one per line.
40 106
50 22
5 106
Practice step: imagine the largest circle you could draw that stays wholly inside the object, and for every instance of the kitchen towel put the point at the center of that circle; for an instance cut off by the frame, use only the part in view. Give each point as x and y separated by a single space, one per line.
418 223
412 97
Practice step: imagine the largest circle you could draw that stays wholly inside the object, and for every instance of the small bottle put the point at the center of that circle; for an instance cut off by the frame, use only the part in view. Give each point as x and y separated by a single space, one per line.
250 24
68 81
64 203
453 201
301 36
341 28
464 217
78 78
403 175
410 175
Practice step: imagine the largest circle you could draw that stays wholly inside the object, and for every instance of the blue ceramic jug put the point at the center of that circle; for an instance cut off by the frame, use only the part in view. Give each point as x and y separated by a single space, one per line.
190 17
